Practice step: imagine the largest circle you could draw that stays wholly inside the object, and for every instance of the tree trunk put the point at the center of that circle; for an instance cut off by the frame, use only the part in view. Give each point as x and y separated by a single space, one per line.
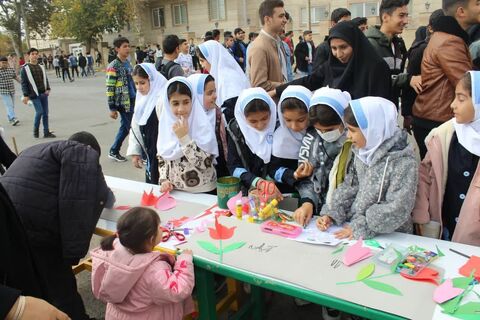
25 23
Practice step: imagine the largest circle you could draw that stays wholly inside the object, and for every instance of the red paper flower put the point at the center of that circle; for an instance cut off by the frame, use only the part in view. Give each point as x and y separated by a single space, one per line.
221 232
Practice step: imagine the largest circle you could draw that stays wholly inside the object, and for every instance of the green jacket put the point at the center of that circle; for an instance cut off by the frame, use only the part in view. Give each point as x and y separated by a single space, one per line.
395 60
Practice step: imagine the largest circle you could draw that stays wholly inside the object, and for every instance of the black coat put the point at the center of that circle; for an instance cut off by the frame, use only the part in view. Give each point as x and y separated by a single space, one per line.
322 52
365 74
414 68
8 297
6 155
82 61
59 191
301 52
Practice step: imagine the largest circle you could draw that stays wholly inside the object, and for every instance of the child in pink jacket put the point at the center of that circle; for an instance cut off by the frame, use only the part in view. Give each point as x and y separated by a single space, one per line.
136 282
449 178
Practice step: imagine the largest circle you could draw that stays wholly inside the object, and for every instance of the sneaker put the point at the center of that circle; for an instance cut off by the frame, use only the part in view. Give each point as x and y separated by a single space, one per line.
330 314
14 121
117 157
49 135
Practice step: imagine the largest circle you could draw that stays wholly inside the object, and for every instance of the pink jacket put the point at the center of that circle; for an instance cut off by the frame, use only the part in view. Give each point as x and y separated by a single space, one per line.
432 181
142 286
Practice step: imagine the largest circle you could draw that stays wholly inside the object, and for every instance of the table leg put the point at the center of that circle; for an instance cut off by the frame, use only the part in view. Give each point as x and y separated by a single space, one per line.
258 302
205 294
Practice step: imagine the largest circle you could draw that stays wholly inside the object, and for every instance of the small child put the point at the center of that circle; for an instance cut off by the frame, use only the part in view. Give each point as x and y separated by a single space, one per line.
186 143
287 139
378 193
205 89
144 127
250 138
320 146
448 188
136 282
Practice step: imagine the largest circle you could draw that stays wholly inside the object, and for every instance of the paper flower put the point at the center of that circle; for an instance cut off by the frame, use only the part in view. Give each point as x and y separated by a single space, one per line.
221 232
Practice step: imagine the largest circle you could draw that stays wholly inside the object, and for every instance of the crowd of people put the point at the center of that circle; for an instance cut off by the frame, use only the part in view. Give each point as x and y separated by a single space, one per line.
330 134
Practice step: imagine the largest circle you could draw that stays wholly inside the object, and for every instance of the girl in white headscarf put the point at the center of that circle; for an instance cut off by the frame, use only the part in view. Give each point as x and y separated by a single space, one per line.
186 143
287 139
448 190
322 143
378 193
204 87
250 137
230 78
144 127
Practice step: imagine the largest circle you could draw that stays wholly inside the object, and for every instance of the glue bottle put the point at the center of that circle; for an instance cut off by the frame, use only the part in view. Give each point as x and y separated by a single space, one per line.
238 209
268 210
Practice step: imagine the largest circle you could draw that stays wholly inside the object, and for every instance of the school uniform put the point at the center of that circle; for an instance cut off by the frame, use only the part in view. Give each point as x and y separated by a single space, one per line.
229 77
186 162
250 150
377 195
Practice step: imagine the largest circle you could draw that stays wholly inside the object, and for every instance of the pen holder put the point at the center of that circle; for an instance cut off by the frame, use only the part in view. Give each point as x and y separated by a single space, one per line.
227 187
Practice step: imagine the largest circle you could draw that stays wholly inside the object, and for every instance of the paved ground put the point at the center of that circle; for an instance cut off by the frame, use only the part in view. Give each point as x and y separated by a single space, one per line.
81 105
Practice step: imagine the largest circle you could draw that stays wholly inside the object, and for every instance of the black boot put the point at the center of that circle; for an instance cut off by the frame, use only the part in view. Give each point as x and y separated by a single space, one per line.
35 133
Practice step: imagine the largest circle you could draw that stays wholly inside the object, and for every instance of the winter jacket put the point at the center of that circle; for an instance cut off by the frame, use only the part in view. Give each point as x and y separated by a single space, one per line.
445 61
30 89
59 192
119 98
378 198
433 173
82 61
142 286
395 59
301 53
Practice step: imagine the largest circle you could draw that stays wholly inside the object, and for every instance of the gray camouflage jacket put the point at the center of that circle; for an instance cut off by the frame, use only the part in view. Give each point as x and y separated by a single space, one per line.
378 198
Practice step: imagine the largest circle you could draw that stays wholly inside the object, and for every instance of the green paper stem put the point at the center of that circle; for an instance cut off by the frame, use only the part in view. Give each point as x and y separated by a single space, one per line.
439 252
377 277
340 249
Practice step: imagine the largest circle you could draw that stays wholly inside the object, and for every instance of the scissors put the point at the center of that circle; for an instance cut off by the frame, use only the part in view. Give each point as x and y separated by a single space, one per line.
265 190
167 233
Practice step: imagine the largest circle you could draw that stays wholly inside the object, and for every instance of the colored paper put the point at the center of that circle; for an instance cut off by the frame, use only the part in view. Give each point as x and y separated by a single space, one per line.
210 247
231 203
148 199
384 287
439 252
311 234
472 264
366 272
122 208
165 202
468 311
356 253
339 249
426 274
178 222
446 291
373 243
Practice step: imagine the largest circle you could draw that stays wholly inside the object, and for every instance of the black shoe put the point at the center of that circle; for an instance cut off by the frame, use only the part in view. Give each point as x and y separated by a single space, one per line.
49 135
35 133
117 157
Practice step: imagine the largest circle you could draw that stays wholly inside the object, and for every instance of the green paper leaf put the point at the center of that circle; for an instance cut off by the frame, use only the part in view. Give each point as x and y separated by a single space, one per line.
461 282
233 246
366 272
382 287
397 261
468 310
439 252
372 243
210 247
340 249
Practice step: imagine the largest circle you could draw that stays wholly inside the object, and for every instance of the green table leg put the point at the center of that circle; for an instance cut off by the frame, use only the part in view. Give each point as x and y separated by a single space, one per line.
258 302
205 294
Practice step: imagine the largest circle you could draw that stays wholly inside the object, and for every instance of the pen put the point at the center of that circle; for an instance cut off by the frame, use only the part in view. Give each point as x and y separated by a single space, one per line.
459 253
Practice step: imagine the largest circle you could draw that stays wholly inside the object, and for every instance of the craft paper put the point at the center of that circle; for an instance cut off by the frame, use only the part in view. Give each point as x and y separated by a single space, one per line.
231 203
439 252
148 199
178 222
339 249
311 234
356 253
366 272
472 264
446 291
468 311
373 243
426 274
384 287
453 305
122 208
165 202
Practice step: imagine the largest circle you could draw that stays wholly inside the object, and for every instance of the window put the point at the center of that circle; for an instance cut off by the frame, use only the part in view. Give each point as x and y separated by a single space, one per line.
179 14
317 14
216 9
365 9
158 17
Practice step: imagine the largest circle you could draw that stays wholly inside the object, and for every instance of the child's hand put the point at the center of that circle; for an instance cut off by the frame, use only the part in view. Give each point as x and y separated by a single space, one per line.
304 214
181 128
137 161
324 222
187 251
304 170
166 186
345 233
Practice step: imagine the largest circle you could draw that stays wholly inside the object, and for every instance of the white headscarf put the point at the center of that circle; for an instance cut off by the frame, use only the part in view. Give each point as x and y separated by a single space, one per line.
199 130
286 143
144 105
334 98
377 118
198 84
228 75
259 142
468 134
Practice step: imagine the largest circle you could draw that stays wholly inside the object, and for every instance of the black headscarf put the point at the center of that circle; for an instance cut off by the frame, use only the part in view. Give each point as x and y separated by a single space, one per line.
366 74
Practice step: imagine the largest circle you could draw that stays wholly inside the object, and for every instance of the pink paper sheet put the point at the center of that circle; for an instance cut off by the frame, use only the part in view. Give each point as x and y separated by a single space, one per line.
165 202
356 253
446 291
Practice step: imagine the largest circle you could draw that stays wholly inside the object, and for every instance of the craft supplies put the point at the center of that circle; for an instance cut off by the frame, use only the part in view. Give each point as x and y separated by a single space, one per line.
239 209
281 229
